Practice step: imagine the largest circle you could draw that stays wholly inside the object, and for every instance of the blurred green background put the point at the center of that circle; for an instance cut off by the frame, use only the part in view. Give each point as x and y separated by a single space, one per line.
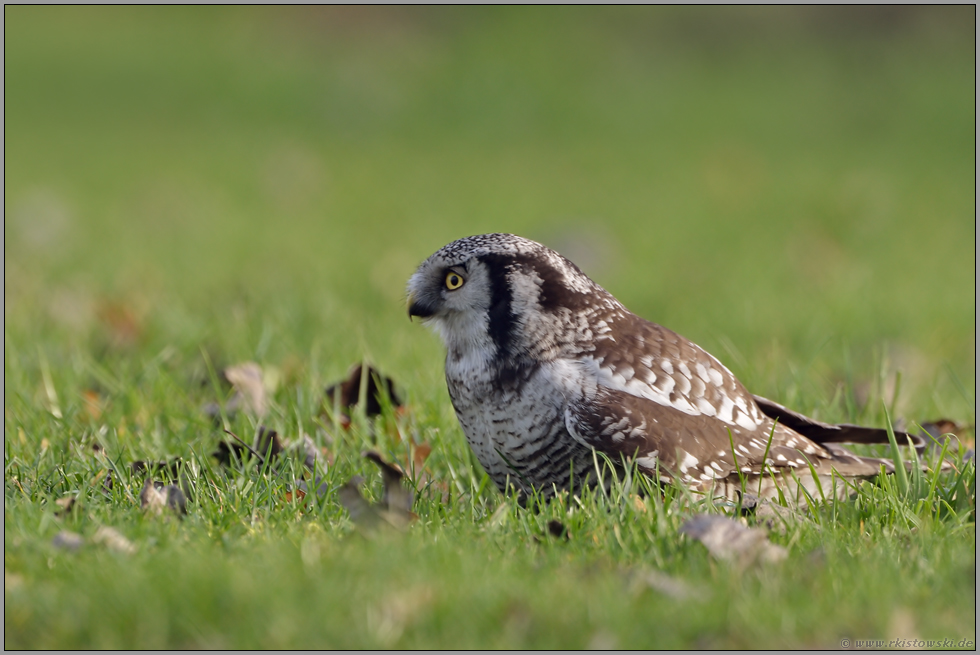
793 188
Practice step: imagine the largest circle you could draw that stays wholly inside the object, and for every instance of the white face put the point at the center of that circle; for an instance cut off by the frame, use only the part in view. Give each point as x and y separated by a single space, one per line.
453 297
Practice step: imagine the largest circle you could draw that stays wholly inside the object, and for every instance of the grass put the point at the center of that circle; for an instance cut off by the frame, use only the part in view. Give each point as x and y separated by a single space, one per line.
189 188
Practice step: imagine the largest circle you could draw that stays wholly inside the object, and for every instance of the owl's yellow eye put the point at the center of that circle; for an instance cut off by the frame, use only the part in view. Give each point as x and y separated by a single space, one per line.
454 281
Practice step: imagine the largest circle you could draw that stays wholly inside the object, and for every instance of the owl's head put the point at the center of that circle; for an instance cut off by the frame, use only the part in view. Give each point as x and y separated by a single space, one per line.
501 297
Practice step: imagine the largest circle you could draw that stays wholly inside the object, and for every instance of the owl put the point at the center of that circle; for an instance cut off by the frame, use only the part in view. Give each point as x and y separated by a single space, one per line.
546 369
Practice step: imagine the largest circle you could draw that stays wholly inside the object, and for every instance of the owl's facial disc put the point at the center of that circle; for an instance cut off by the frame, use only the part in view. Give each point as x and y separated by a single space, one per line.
452 294
443 288
426 297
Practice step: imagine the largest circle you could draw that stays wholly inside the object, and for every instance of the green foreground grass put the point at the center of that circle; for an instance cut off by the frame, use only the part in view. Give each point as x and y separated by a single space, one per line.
186 189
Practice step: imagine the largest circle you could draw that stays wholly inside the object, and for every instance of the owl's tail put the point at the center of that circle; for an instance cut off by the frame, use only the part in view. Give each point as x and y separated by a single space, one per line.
829 434
825 433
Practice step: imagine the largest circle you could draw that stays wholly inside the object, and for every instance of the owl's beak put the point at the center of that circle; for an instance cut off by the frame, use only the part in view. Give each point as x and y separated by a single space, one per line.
415 308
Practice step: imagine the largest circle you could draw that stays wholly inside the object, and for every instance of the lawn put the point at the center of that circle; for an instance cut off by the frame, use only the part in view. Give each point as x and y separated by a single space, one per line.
188 189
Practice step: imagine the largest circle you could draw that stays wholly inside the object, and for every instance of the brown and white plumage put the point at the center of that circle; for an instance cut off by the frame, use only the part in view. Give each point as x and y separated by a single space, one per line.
544 366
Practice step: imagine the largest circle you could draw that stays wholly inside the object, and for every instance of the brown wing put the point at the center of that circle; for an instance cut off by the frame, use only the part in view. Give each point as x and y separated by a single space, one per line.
647 360
692 448
665 401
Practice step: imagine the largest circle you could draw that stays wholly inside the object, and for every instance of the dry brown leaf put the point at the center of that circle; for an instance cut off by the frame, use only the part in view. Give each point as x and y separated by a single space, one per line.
669 586
315 460
66 504
113 540
99 476
727 539
267 443
557 529
122 321
313 457
67 540
938 431
346 394
395 506
229 452
157 496
361 511
266 447
397 496
639 504
94 405
774 516
420 453
398 610
942 426
250 391
319 486
106 481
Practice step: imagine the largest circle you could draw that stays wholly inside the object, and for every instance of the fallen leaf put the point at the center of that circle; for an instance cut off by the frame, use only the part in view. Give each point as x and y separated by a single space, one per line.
250 391
94 404
316 461
319 486
100 477
774 516
311 455
267 442
396 503
668 585
639 504
228 452
397 496
346 394
66 504
123 322
939 431
67 540
939 427
361 511
398 610
420 453
113 540
557 529
727 539
267 447
157 496
106 483
174 469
